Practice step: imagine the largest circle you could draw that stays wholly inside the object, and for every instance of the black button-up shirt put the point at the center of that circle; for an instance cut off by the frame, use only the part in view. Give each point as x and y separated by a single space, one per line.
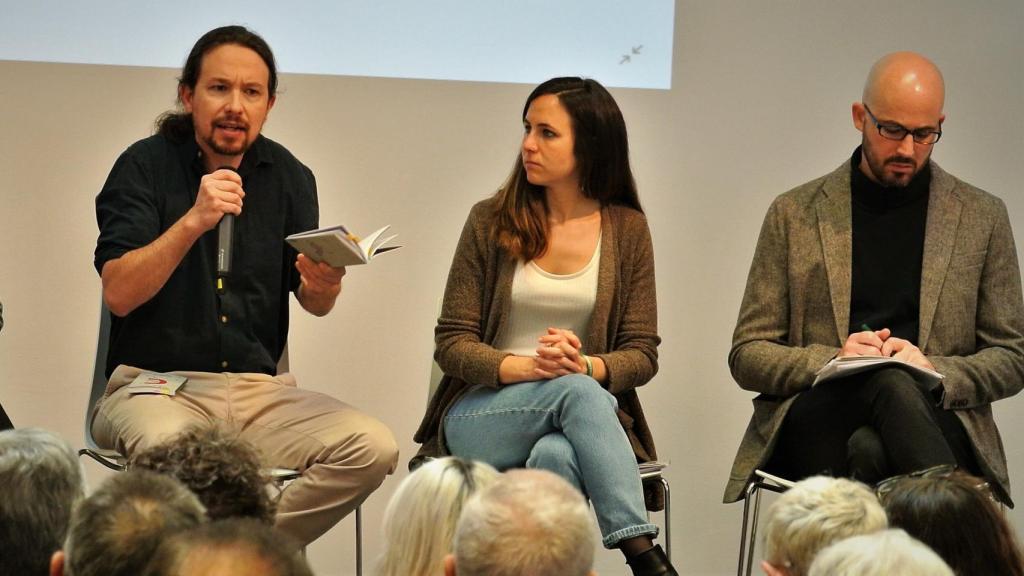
187 325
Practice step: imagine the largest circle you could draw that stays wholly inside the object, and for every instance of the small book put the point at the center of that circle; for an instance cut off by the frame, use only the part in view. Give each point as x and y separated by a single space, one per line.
338 247
847 365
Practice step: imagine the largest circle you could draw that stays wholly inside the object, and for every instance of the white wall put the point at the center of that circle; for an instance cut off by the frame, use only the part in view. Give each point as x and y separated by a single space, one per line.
760 104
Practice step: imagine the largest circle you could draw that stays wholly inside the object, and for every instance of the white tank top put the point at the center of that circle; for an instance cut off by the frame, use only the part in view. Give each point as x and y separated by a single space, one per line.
541 299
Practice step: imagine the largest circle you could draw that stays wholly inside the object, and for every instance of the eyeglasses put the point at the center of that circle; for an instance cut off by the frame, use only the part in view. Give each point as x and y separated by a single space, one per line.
893 131
885 487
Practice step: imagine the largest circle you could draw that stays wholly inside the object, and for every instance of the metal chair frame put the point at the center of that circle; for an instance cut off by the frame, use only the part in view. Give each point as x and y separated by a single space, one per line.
655 471
761 481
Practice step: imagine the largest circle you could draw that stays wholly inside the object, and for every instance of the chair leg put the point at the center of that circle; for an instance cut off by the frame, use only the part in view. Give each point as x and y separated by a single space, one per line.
668 519
751 489
359 541
753 532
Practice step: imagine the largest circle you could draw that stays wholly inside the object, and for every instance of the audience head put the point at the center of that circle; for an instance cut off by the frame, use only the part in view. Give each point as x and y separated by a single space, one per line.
527 523
813 514
955 516
232 547
420 520
579 139
882 553
116 530
219 467
41 480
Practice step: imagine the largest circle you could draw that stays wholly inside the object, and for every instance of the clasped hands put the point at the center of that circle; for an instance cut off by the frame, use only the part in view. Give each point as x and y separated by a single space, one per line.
882 343
559 354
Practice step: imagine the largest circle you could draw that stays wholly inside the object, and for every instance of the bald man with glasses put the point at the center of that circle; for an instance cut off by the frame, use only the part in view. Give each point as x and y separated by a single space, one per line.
887 256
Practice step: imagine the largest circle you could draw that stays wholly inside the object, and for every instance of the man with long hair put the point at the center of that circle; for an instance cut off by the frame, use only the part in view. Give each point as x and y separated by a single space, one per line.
175 311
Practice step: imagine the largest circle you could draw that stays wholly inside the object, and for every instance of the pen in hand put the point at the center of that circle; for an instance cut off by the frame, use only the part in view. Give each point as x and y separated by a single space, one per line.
864 326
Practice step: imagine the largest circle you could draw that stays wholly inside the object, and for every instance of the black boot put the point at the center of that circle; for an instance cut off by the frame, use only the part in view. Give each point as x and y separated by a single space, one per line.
651 562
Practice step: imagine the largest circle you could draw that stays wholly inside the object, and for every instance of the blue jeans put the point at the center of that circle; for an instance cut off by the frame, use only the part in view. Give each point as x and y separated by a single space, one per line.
567 425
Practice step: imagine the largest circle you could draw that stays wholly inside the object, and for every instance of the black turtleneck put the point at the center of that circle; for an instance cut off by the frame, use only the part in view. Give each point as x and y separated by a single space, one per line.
888 246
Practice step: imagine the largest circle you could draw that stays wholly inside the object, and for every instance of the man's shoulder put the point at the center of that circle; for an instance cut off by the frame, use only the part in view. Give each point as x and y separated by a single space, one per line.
156 146
279 154
968 193
809 191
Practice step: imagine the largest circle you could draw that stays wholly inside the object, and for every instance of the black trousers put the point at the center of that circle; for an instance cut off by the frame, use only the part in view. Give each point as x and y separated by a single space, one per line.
869 426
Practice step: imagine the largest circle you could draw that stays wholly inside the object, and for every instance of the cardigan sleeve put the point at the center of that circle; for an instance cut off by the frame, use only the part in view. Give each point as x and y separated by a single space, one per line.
460 349
632 357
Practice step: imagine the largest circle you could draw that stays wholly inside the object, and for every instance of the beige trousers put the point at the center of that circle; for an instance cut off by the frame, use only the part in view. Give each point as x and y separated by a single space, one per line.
343 454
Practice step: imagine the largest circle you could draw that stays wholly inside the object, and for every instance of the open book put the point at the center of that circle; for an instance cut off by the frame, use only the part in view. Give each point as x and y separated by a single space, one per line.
847 365
338 247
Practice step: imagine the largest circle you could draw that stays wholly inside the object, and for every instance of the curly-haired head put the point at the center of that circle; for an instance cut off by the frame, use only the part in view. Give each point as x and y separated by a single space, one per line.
222 469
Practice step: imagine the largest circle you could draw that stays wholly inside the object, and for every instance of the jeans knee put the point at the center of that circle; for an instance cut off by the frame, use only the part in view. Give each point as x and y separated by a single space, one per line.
555 454
551 450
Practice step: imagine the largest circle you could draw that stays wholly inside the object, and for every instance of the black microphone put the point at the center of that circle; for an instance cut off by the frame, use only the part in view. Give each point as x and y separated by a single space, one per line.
225 238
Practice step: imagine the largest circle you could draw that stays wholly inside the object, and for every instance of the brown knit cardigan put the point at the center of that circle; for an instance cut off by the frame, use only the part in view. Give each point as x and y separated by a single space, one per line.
623 326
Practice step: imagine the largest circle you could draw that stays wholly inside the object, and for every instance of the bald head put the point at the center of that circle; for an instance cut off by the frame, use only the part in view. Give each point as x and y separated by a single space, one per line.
905 79
904 95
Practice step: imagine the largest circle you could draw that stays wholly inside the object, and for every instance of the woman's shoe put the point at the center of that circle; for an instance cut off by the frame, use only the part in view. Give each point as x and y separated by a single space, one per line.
651 562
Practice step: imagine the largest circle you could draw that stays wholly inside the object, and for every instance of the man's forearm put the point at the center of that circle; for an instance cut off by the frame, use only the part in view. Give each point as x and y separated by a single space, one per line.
317 303
133 279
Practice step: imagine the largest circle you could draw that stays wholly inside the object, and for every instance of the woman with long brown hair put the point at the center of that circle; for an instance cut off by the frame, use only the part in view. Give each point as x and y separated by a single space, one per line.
549 320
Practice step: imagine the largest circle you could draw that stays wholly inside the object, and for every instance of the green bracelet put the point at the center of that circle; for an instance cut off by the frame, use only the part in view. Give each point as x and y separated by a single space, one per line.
590 365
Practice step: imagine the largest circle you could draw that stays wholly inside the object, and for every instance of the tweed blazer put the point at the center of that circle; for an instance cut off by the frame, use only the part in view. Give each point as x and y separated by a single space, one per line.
795 312
623 327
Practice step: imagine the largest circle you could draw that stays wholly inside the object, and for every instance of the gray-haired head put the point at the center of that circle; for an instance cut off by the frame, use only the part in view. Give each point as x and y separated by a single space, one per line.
529 522
879 554
815 513
116 530
41 480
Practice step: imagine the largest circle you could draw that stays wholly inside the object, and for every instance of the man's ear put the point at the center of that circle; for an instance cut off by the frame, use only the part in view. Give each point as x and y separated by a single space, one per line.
185 95
449 565
859 115
57 563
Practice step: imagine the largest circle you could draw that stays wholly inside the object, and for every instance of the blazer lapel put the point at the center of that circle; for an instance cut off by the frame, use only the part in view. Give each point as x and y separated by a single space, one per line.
940 234
835 227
